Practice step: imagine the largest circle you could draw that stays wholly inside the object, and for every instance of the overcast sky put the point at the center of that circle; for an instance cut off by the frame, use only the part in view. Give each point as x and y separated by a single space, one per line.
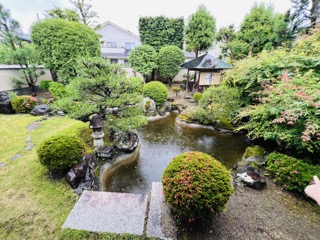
126 13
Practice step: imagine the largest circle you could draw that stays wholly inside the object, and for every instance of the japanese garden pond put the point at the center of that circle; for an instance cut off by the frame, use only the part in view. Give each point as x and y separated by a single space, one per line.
162 140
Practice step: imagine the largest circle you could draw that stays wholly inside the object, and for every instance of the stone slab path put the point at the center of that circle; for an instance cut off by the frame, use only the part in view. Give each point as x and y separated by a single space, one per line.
123 213
109 212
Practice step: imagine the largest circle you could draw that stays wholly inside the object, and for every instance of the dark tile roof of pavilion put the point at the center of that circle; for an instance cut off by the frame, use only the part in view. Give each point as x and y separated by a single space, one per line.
205 62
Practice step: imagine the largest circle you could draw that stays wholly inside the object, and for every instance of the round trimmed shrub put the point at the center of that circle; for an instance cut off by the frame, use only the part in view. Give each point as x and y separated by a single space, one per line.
60 152
23 104
197 96
157 91
196 186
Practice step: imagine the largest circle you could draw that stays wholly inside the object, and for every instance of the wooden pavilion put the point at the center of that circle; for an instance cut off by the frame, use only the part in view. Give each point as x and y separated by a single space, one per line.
208 70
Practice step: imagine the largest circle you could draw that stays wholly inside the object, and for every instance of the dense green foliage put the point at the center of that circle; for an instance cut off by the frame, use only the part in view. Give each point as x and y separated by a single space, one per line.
289 113
14 51
261 29
157 91
283 88
169 61
58 90
45 84
251 74
60 152
60 42
143 59
196 185
293 174
23 104
217 103
161 31
103 88
200 31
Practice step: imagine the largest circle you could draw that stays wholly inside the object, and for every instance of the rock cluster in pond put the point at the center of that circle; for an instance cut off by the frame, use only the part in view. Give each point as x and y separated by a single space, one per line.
40 110
247 170
126 142
5 103
105 152
149 107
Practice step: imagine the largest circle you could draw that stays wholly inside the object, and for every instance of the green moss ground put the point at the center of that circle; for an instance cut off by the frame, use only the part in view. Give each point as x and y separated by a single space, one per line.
32 204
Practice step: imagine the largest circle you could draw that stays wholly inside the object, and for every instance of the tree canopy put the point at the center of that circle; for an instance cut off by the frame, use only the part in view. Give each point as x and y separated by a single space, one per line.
60 42
85 13
103 88
143 59
200 31
161 31
169 61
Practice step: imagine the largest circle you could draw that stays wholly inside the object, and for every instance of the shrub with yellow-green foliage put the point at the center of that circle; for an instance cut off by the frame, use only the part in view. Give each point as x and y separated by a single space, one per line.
197 96
196 186
60 152
23 104
157 91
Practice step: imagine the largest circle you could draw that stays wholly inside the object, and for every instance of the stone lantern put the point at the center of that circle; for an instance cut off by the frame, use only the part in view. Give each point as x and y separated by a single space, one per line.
96 125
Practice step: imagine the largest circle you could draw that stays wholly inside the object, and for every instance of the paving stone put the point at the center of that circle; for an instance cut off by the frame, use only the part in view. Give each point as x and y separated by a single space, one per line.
33 126
160 222
109 212
2 164
15 156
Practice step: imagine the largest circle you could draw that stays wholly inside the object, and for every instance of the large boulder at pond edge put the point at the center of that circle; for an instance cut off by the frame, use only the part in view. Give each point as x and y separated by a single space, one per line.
105 152
76 174
149 106
126 142
40 110
254 157
5 103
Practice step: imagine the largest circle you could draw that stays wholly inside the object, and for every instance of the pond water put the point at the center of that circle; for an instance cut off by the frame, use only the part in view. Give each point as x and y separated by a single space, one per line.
161 141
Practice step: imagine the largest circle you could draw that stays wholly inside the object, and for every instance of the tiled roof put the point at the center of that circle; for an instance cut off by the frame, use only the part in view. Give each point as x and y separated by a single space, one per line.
206 61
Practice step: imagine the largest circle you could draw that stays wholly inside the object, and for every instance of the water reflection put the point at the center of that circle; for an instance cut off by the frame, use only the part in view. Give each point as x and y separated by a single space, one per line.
161 141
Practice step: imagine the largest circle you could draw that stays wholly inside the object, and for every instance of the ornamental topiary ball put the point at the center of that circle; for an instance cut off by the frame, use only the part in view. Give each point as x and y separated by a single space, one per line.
58 153
196 186
157 91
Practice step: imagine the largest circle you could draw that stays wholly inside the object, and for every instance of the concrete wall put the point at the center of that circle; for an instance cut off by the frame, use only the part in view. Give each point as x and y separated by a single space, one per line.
6 75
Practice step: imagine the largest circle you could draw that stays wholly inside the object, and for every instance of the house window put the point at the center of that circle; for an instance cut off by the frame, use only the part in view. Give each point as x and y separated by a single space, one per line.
126 64
208 79
111 44
113 61
130 45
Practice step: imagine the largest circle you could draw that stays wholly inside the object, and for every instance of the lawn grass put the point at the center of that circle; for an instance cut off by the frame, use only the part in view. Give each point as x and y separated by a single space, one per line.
32 204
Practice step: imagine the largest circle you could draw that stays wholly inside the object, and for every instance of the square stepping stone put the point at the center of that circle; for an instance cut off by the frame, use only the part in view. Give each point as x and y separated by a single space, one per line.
109 212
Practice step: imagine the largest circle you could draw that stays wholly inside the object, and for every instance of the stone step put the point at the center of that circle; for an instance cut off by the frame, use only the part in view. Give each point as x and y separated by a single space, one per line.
108 212
123 213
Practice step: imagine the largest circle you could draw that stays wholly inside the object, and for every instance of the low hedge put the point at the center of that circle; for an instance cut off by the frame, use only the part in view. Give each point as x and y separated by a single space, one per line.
293 174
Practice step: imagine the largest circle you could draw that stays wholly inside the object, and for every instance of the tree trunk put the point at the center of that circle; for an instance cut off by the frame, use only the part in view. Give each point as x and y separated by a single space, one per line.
54 75
315 12
153 74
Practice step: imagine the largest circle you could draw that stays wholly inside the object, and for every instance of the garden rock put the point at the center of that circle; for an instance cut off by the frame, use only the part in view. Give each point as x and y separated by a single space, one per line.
162 111
5 104
72 179
170 99
192 101
105 152
187 97
40 110
126 142
252 178
91 161
149 106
